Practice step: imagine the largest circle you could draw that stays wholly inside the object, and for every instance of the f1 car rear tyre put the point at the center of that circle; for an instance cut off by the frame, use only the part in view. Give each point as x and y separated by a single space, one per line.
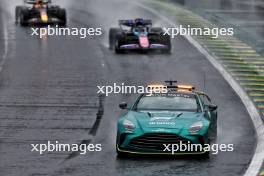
63 17
167 41
113 37
22 17
17 13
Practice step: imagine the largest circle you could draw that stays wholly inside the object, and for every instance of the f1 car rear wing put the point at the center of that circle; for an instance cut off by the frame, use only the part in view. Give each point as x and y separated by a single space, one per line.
34 1
131 23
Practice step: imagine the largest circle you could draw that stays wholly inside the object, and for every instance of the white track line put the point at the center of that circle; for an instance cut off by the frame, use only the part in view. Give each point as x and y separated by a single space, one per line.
256 162
4 55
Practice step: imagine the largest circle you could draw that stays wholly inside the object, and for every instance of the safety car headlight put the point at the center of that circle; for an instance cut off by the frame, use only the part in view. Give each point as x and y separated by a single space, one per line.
196 127
128 125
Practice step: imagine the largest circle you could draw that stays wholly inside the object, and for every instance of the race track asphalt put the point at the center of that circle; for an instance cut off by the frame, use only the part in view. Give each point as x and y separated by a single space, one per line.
48 91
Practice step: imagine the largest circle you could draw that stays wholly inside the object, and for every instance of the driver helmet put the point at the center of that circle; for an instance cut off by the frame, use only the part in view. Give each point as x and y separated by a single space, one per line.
39 2
139 22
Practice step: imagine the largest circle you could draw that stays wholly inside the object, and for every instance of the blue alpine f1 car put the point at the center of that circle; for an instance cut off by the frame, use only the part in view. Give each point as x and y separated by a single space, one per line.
138 35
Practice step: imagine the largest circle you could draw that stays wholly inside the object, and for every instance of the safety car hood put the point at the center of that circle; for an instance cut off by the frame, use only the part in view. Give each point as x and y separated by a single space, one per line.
149 120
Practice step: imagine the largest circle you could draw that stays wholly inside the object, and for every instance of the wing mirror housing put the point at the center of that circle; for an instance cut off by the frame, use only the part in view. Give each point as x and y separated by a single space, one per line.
212 107
123 105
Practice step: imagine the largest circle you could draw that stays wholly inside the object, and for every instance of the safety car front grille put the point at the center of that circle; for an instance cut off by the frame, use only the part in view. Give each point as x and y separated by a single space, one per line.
156 141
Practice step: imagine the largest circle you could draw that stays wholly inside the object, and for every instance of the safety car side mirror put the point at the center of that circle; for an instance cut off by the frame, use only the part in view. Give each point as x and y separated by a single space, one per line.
212 107
123 105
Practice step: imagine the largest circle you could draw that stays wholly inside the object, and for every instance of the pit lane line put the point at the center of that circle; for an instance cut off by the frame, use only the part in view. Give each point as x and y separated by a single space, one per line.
256 162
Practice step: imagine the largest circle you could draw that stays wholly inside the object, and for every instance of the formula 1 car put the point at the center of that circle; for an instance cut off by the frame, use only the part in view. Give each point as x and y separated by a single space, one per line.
139 35
178 116
40 12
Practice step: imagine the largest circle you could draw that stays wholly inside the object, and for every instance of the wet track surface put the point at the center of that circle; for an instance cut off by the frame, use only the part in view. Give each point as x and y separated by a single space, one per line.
48 92
245 16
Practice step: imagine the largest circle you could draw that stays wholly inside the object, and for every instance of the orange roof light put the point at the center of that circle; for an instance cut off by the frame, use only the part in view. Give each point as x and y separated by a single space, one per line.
157 88
185 87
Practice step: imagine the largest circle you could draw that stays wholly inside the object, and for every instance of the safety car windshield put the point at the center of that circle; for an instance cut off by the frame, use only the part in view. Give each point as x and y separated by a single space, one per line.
169 102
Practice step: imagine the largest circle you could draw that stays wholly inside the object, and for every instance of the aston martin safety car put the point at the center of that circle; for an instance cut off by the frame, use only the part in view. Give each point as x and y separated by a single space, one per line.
138 35
179 116
40 12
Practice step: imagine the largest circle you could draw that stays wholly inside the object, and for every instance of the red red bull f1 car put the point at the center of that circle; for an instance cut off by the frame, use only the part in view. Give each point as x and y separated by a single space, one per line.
40 12
138 35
